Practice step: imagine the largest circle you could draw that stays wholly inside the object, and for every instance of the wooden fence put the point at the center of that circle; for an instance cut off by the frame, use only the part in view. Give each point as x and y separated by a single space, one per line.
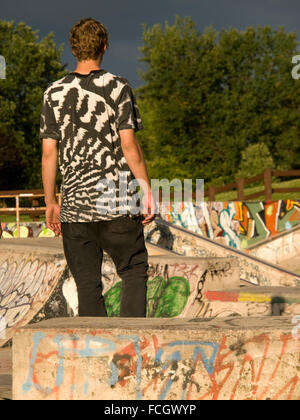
32 195
267 191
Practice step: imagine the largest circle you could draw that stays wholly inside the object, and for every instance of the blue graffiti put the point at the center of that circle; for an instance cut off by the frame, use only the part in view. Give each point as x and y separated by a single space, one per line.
59 340
201 347
28 385
207 350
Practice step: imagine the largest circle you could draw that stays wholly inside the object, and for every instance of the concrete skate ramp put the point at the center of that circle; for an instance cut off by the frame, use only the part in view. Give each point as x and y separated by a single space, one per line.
33 272
253 270
35 283
282 249
29 273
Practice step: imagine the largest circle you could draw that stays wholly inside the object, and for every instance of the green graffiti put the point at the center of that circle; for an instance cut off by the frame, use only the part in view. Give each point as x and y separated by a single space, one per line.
112 300
165 298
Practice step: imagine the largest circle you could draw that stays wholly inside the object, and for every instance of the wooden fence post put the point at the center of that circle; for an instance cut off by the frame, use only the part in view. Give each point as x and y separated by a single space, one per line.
18 215
211 193
268 183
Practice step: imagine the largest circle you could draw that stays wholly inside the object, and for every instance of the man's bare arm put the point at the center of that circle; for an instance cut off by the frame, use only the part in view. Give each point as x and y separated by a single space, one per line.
134 156
49 171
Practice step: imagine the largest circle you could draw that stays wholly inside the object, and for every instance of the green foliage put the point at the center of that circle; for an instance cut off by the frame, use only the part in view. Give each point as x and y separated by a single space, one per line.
12 164
31 65
255 158
207 96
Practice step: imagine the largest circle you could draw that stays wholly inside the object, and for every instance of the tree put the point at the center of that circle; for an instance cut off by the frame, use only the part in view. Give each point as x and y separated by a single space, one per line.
255 158
12 164
207 96
31 65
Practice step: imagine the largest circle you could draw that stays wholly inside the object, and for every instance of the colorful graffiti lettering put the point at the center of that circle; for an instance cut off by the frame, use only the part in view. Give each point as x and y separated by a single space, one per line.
145 367
236 224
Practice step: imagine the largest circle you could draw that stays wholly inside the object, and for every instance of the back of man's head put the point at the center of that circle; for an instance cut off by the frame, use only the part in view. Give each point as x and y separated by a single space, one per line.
88 39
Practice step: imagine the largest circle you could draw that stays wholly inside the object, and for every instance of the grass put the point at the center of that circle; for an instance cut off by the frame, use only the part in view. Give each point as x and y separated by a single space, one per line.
23 218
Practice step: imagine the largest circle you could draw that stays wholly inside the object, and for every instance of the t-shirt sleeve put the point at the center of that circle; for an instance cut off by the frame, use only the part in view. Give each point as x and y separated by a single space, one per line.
48 125
127 112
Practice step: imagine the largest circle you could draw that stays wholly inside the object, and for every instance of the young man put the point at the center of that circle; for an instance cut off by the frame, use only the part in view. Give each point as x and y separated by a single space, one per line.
88 123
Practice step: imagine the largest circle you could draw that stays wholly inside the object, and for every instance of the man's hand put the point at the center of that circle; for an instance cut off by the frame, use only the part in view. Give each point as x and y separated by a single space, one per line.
136 162
149 208
52 218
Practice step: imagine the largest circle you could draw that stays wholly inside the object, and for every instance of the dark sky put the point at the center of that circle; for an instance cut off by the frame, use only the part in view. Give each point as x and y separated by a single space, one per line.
124 19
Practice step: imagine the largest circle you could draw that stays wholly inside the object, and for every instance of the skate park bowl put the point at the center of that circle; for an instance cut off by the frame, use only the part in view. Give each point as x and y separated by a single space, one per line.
211 311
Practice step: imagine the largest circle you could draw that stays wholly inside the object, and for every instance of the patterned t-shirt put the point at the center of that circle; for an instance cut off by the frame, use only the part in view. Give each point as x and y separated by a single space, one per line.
85 113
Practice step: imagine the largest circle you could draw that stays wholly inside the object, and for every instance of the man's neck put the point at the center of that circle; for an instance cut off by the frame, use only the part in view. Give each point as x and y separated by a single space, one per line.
85 67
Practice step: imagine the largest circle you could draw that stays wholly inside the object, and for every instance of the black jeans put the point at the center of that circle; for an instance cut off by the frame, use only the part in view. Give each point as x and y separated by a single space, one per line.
123 240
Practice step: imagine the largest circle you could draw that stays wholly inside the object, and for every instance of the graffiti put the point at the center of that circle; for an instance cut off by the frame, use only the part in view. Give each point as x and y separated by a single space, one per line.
126 363
252 269
153 367
173 289
182 214
25 285
236 224
199 296
249 303
35 288
27 230
165 298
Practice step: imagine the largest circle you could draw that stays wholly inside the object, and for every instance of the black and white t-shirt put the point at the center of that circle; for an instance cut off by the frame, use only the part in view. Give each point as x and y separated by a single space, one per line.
85 113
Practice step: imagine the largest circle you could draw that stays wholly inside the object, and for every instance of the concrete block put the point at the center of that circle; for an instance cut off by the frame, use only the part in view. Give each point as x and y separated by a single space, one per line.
157 359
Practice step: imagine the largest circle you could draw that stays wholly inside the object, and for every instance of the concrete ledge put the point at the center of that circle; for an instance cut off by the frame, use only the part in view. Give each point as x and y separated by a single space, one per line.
256 294
253 301
109 359
253 270
5 374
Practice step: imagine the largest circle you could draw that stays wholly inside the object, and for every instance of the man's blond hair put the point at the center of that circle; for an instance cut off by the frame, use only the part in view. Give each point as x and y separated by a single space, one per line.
88 39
